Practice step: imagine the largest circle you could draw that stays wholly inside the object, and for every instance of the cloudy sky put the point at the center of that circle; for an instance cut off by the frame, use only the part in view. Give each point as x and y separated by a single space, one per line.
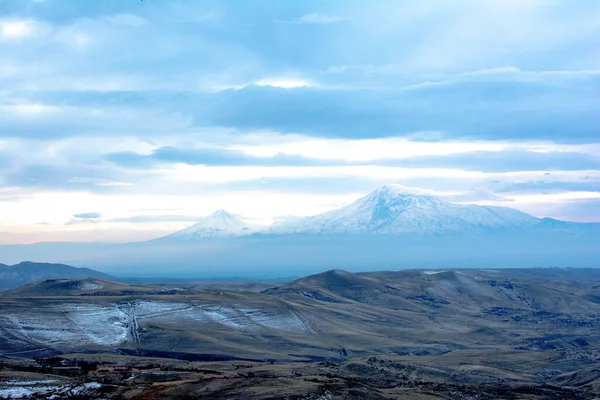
127 119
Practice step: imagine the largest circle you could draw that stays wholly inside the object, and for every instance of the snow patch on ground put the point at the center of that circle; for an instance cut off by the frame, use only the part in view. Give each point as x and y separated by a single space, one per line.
85 388
432 272
25 392
89 286
71 325
157 309
235 317
25 389
274 320
226 316
75 325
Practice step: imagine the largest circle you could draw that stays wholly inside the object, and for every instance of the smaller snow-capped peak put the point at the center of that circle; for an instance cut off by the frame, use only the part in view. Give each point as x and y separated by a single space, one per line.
219 223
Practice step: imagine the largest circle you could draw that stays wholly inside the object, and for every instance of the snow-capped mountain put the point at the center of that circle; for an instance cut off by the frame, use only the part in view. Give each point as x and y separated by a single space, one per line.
390 210
219 223
390 228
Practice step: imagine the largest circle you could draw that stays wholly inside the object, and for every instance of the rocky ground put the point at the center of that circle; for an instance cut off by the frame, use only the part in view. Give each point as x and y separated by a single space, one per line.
465 375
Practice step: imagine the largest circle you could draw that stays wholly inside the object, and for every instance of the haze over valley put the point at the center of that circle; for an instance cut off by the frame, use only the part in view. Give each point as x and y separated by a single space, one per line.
388 228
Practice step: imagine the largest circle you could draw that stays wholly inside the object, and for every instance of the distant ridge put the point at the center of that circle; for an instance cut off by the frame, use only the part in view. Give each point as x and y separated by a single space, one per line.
84 287
30 272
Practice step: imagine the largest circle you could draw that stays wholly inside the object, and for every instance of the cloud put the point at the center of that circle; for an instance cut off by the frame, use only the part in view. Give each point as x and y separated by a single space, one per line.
16 29
551 187
284 83
319 18
88 215
65 177
211 156
474 195
84 219
579 210
464 109
125 20
435 155
325 185
142 219
504 161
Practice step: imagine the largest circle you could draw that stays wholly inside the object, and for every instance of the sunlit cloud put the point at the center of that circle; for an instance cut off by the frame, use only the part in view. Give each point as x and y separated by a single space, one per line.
29 109
15 29
284 83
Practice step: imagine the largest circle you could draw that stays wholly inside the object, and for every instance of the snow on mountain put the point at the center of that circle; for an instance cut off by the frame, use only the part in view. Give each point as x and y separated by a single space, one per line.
219 223
391 210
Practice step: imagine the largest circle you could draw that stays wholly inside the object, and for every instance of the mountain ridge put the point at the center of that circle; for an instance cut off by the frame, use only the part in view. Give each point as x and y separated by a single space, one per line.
388 210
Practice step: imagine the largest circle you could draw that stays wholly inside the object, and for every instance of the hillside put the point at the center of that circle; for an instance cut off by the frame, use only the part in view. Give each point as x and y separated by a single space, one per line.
85 287
477 333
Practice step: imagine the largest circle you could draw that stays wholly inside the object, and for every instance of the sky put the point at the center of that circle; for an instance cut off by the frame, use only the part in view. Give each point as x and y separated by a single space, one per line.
124 120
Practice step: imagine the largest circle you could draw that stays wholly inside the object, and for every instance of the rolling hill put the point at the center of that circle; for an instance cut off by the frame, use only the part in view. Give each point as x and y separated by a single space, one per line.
462 333
29 272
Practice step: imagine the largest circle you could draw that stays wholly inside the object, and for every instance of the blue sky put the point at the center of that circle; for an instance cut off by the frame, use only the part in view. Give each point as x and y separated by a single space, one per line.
124 120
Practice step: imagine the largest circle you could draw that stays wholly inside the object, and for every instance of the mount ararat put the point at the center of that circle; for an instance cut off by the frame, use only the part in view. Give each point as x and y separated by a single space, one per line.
389 210
387 228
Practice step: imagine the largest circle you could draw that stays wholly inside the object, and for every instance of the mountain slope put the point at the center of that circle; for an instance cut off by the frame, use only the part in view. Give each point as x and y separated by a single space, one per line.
391 211
30 272
219 223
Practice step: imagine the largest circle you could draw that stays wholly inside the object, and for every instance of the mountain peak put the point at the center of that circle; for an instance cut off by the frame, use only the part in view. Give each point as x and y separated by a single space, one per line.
222 214
392 198
396 190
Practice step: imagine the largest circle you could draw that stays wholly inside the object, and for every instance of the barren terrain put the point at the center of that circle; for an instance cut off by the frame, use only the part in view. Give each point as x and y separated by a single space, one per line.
529 333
